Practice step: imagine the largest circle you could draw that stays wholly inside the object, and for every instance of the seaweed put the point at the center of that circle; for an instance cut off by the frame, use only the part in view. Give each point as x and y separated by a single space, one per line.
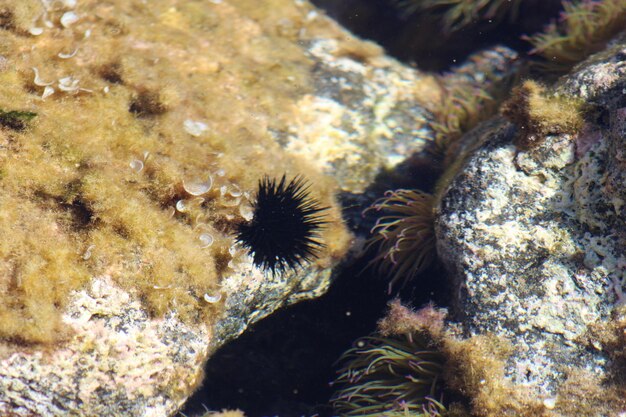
16 119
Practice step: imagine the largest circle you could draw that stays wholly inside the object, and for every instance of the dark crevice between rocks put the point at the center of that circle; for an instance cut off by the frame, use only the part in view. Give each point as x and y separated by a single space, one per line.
422 41
282 365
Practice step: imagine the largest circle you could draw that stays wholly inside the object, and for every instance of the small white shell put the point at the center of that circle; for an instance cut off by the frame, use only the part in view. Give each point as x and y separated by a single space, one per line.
87 253
549 403
67 56
70 4
47 92
236 191
194 128
38 81
212 299
68 19
198 187
206 240
36 31
87 33
136 165
68 84
246 212
157 287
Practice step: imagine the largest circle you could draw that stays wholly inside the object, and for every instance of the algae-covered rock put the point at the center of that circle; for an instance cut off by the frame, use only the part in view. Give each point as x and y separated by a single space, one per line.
534 239
133 135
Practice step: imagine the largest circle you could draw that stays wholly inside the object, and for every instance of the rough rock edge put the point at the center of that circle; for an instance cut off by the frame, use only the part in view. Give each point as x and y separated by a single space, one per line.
541 280
124 361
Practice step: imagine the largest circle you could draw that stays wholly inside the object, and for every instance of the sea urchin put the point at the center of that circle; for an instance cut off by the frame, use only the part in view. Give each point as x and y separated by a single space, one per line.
283 230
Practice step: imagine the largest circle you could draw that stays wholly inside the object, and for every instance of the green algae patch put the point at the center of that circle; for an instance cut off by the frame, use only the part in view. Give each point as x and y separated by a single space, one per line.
154 123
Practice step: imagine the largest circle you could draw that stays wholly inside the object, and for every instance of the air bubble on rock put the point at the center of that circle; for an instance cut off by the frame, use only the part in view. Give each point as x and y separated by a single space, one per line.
87 253
136 165
68 19
198 188
181 206
212 299
246 212
194 128
206 240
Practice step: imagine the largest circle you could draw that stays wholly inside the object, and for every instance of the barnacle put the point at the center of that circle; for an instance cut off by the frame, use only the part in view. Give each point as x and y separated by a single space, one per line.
460 13
404 235
390 376
583 29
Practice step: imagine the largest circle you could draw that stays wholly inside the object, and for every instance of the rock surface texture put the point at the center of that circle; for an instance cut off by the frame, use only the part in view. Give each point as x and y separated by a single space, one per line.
535 240
132 138
141 132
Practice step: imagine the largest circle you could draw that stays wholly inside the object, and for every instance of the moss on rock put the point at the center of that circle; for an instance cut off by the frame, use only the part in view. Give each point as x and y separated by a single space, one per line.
136 102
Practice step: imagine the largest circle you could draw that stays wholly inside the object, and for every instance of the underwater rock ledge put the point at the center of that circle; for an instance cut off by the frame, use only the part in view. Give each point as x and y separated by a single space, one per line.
133 137
534 240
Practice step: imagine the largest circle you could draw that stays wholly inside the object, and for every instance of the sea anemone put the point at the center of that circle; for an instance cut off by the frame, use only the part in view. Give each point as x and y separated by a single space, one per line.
583 29
285 224
405 235
457 14
461 108
390 376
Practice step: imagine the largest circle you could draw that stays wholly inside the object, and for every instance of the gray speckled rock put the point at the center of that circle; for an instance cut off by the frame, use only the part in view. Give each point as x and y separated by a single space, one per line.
351 112
535 240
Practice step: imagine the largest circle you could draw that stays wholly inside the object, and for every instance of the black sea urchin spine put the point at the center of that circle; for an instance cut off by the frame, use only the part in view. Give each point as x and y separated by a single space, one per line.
285 226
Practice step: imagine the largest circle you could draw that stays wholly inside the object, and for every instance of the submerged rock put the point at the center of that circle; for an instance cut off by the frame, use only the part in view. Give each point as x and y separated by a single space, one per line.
133 135
535 242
